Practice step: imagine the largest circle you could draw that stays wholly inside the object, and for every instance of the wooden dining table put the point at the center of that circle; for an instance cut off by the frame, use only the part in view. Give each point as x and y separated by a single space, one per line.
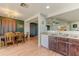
3 39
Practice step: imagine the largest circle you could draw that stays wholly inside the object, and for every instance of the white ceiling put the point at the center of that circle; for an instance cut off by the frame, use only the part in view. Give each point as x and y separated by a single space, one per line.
35 8
69 16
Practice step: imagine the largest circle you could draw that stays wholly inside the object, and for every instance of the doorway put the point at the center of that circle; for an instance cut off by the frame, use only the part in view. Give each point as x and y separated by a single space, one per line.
33 29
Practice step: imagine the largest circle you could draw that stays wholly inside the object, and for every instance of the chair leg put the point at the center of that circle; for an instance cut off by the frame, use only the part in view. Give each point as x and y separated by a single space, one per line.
6 44
17 42
13 43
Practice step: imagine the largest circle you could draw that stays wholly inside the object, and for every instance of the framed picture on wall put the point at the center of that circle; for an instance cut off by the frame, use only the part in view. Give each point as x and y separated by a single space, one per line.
74 25
48 27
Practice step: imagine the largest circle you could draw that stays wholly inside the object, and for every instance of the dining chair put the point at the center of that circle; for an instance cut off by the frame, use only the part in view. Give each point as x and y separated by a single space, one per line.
26 36
2 41
19 37
9 38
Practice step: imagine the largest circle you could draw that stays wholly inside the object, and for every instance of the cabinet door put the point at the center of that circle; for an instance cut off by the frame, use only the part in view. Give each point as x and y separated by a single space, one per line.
77 50
62 46
53 43
50 42
74 49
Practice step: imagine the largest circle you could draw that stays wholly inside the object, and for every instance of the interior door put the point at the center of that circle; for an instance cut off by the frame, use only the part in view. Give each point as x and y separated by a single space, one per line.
33 29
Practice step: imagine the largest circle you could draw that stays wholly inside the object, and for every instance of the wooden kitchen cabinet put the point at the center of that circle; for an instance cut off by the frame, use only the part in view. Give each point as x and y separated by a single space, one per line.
53 44
59 45
63 46
74 47
77 50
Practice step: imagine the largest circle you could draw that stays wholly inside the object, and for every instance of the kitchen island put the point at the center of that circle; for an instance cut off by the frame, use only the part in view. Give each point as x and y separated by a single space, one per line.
65 43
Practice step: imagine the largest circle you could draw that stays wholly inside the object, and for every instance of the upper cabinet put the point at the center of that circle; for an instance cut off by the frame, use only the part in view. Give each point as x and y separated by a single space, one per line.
10 25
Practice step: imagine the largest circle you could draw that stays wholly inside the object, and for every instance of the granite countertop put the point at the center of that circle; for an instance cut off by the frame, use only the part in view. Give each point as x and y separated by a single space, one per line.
67 34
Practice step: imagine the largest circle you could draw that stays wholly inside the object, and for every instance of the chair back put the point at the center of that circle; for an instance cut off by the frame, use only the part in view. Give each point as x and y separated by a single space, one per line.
9 36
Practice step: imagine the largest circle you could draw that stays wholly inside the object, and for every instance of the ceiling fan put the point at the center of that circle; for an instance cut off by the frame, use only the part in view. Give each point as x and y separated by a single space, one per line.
24 5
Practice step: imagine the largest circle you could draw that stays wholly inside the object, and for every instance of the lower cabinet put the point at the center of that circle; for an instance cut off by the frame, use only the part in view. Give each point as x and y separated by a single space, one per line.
74 48
77 50
62 48
65 46
53 45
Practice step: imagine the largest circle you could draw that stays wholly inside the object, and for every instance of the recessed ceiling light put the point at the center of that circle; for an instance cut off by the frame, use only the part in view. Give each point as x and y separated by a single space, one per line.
47 7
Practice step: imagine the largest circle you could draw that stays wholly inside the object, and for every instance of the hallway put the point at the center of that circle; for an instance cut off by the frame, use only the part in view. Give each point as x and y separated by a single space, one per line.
29 48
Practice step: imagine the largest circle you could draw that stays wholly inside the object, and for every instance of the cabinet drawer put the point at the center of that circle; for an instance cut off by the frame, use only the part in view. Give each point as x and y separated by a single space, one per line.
63 39
53 44
75 41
